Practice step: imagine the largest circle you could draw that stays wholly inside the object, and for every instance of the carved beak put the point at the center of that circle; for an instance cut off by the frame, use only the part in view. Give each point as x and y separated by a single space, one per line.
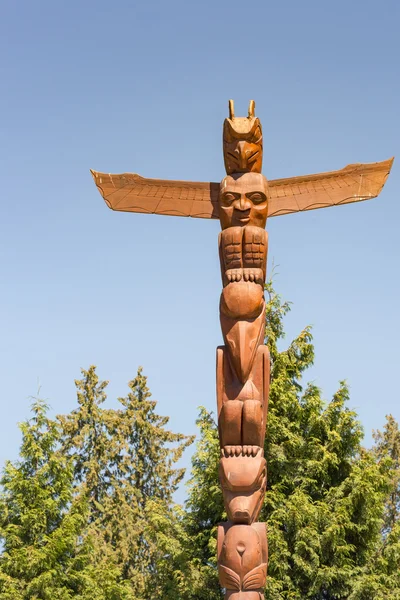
241 150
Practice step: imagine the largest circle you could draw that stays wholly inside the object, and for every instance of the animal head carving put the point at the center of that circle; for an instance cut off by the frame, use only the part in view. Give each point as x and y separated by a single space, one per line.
243 480
243 200
242 142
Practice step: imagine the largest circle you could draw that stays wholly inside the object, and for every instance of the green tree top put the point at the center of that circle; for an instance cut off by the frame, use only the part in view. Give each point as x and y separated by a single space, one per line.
326 495
127 460
39 520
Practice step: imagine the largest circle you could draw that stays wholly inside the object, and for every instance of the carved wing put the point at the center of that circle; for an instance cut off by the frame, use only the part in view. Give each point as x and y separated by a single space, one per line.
354 183
133 193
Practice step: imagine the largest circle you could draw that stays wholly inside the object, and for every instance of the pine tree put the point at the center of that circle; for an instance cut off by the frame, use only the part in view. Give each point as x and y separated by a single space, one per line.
204 509
87 512
380 576
387 448
38 526
148 453
126 458
86 439
326 498
325 494
42 524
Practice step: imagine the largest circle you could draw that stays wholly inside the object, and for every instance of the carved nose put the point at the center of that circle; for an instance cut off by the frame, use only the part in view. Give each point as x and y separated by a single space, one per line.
242 204
241 516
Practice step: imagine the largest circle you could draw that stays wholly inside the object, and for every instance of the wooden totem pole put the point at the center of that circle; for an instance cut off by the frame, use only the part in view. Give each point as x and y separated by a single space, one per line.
242 202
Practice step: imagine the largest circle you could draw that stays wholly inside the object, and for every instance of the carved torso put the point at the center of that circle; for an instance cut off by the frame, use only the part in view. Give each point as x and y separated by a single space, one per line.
243 252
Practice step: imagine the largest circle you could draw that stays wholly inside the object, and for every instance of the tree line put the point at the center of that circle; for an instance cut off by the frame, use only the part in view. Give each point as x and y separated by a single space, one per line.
87 512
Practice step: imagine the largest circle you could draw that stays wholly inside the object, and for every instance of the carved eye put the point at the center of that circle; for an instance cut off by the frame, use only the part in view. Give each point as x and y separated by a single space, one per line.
228 198
257 197
233 156
253 157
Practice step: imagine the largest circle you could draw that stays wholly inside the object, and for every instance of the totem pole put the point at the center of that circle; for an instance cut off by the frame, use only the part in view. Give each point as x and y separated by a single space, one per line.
243 363
242 202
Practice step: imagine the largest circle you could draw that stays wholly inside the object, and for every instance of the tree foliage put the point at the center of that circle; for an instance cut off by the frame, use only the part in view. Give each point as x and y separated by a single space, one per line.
41 523
331 505
88 510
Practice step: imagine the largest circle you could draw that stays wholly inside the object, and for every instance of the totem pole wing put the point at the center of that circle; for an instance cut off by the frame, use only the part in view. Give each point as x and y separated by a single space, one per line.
354 183
130 192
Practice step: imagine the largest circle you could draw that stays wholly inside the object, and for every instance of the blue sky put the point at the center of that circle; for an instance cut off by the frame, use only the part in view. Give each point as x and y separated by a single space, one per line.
143 87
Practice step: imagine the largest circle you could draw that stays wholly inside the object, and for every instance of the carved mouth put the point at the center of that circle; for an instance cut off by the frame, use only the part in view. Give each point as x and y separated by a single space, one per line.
244 219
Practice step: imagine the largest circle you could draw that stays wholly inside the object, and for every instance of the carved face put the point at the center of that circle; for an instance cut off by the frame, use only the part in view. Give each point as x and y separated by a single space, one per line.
243 481
242 157
242 145
243 200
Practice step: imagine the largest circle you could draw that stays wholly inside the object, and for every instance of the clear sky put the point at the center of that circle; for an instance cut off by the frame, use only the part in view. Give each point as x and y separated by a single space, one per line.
143 86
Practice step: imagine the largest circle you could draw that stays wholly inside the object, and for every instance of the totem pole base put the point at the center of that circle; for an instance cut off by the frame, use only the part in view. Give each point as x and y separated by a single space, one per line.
244 596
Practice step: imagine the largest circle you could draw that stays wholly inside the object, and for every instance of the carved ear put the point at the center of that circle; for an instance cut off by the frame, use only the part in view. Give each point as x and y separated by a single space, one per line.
231 109
252 106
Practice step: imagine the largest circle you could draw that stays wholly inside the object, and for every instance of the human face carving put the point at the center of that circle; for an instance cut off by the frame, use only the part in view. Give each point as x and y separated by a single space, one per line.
243 200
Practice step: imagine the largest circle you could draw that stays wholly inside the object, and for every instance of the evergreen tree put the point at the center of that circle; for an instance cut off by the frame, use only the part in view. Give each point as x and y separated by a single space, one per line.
38 531
148 453
325 494
87 512
380 576
86 440
325 505
127 458
387 448
44 555
204 509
